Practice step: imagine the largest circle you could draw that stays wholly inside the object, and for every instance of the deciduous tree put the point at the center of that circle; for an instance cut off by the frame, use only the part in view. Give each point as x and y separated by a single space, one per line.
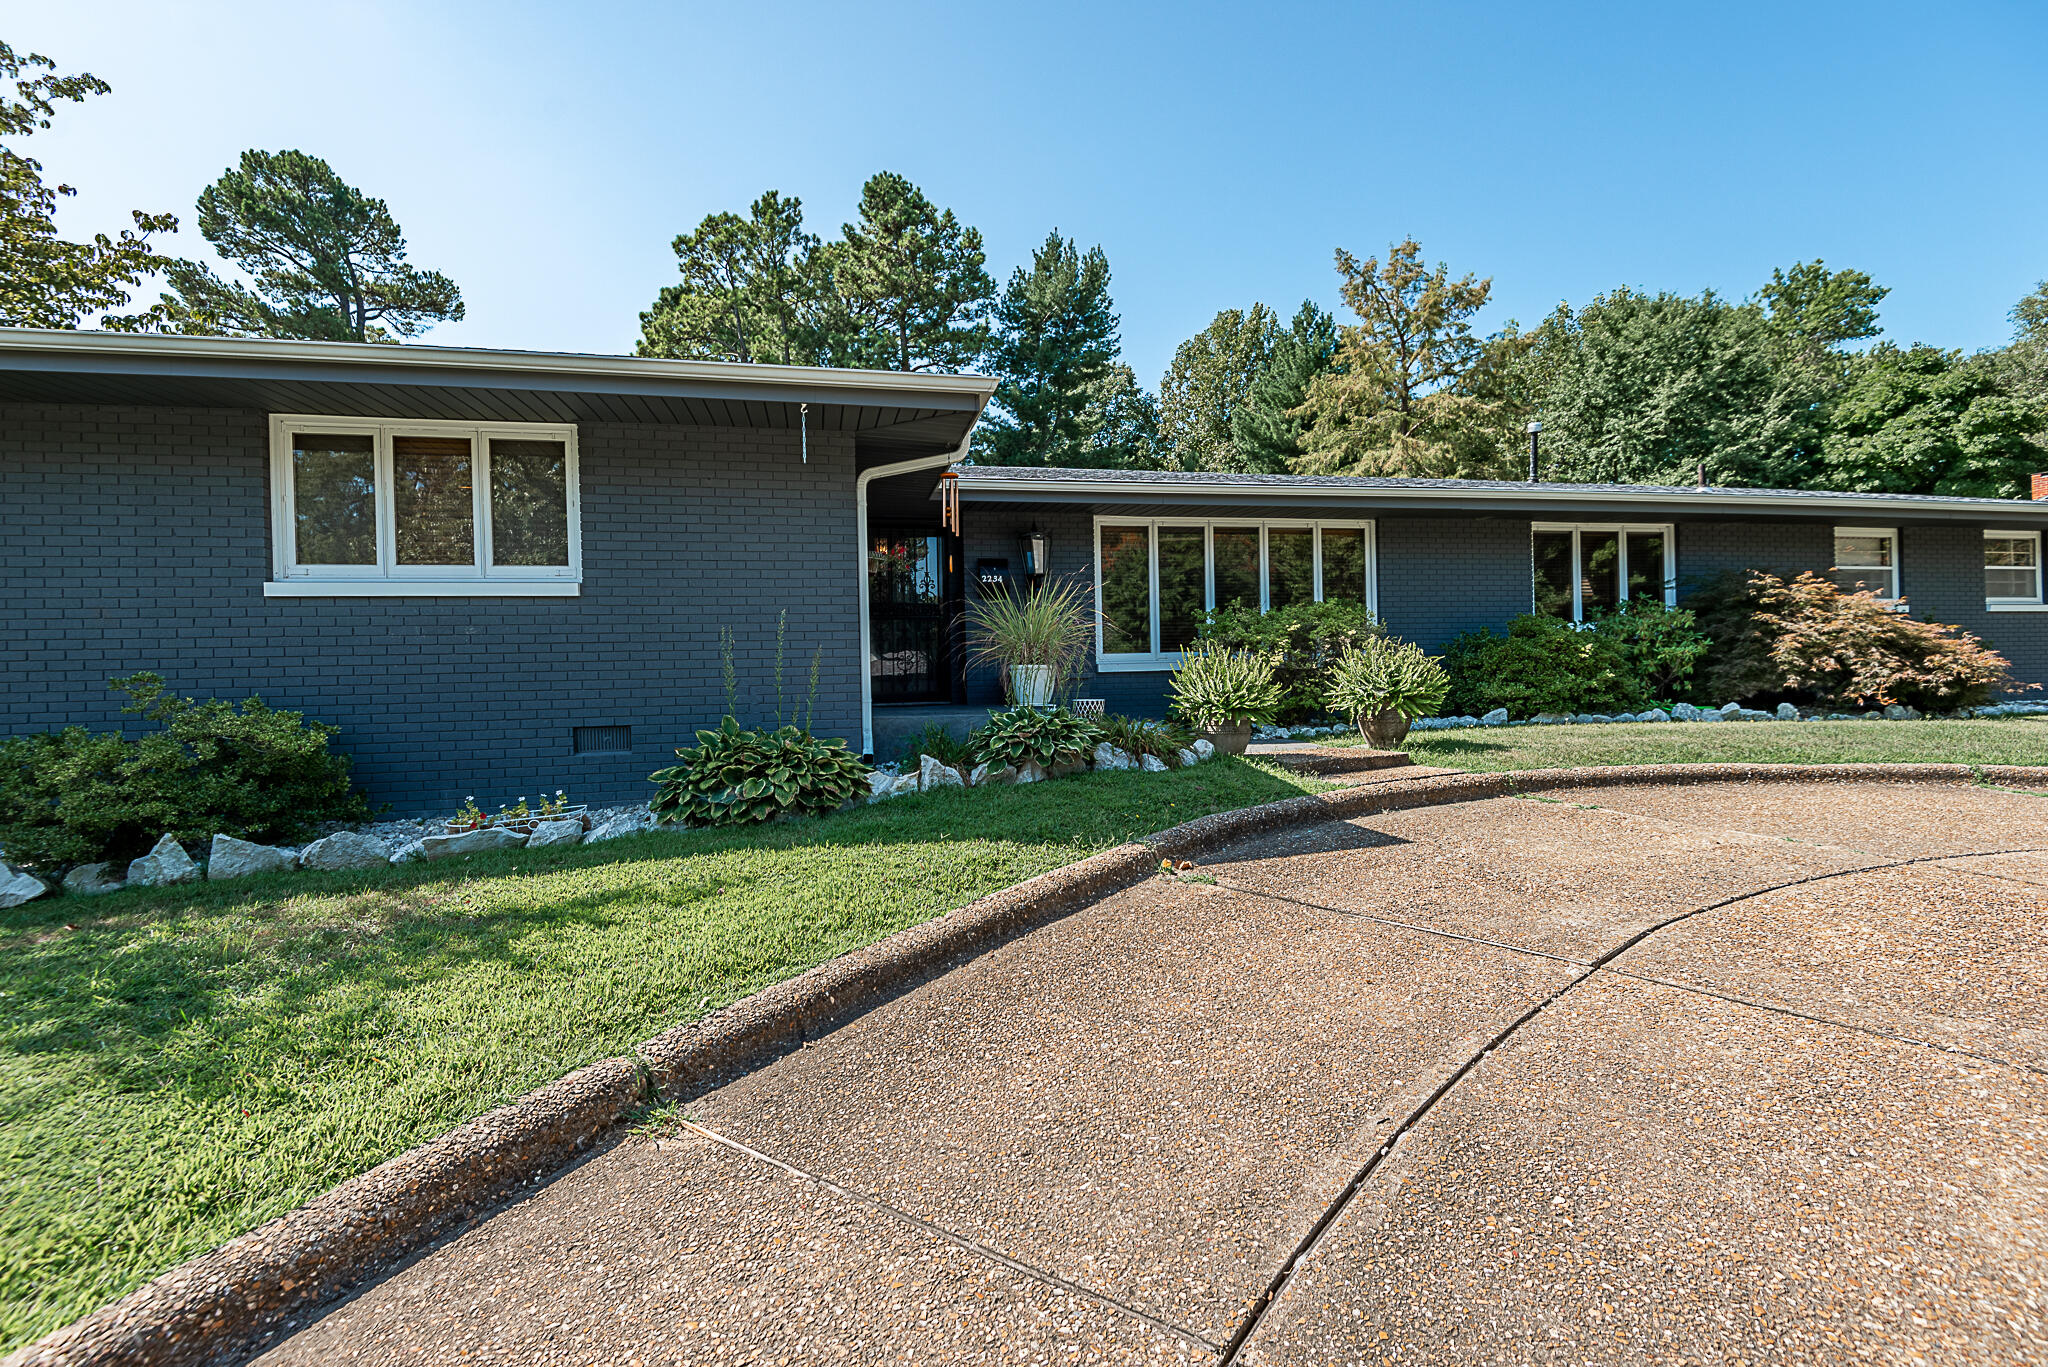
47 281
1209 378
324 260
1922 420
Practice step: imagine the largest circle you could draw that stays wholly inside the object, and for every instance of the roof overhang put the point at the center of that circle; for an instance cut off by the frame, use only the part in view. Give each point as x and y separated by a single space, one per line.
892 416
1541 502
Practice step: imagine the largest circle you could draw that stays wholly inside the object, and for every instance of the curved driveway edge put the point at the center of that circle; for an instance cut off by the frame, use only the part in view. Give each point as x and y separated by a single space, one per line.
217 1306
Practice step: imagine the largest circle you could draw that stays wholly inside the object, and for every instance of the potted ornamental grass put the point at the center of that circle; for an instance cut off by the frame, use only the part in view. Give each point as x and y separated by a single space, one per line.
1383 684
1222 693
1040 638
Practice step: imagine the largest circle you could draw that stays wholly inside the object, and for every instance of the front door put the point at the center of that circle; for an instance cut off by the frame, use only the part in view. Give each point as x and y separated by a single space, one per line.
907 617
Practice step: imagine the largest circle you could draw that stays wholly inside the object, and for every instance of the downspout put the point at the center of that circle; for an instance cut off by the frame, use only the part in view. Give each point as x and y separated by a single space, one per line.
860 503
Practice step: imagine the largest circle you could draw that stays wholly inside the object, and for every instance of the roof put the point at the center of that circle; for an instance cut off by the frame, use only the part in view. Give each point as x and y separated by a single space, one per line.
1010 483
892 415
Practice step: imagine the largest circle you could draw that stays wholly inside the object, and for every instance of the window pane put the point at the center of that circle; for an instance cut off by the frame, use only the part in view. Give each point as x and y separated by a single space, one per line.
2008 550
2010 583
903 571
1862 552
1126 591
1237 566
1554 574
334 499
529 503
1183 591
1599 573
1291 578
1647 575
1343 564
434 499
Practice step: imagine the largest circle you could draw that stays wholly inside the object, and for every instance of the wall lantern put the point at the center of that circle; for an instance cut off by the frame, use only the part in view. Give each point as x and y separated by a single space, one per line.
1032 546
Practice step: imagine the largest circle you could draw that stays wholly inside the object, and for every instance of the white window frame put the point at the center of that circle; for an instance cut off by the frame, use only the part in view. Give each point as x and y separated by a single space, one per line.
387 578
1157 659
2037 603
1668 530
1891 534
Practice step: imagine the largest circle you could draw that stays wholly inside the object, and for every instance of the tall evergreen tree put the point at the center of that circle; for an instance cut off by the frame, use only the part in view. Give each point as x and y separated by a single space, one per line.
1398 399
46 281
1207 381
1265 430
1055 340
745 289
906 288
326 261
1122 422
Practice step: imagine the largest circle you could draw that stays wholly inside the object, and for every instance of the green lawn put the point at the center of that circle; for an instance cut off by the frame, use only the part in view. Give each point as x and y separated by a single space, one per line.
2002 740
181 1064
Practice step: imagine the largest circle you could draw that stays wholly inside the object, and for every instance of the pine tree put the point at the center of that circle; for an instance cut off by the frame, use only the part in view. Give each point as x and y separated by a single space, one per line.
906 288
1265 430
744 290
1055 342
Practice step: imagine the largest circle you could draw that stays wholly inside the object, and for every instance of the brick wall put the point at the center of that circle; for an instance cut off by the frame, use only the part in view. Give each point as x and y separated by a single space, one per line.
139 539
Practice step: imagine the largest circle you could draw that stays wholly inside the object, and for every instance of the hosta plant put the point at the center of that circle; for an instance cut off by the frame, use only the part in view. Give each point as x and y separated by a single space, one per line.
735 777
1026 735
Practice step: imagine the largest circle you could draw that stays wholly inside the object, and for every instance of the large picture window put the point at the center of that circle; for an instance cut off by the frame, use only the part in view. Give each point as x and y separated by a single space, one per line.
1583 569
365 507
1155 578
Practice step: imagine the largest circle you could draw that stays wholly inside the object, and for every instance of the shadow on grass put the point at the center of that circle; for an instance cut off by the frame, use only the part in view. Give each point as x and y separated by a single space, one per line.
293 962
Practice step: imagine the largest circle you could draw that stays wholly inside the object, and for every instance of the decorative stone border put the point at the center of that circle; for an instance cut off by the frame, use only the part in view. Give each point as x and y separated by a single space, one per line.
220 1305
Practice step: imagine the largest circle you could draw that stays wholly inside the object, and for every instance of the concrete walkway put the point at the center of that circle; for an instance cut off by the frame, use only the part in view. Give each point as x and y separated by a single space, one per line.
1687 1075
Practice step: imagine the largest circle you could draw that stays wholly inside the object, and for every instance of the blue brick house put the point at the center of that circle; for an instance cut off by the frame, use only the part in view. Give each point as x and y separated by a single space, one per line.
505 572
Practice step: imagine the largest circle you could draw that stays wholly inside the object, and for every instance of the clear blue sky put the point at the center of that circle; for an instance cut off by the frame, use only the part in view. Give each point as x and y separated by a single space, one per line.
545 155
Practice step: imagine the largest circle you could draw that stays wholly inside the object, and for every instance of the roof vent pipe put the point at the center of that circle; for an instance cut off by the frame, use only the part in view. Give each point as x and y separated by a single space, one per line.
1535 431
1703 474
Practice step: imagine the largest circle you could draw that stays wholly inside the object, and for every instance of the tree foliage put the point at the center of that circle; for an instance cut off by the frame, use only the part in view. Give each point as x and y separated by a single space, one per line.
1055 343
906 284
47 281
1927 421
1399 398
746 289
1266 430
324 261
1210 377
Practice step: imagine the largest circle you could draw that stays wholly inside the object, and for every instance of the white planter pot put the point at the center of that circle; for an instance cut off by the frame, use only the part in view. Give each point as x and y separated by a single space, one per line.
1032 684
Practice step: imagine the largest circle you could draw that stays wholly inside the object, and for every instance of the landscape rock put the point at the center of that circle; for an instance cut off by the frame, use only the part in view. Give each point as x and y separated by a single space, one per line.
164 865
1549 719
1107 756
1654 714
1901 712
1187 757
881 784
1152 764
1078 765
1730 709
1028 772
470 842
1787 712
1497 717
1685 711
344 850
90 880
564 832
232 858
625 823
16 888
932 773
408 852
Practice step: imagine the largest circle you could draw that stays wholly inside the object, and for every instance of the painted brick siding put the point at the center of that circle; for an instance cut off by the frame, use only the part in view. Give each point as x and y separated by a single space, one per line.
139 539
1439 576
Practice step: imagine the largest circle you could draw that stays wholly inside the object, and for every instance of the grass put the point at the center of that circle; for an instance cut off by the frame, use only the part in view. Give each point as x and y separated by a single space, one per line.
2002 740
181 1064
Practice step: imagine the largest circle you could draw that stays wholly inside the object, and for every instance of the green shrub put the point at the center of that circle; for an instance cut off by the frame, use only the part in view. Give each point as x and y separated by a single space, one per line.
1137 736
1304 641
214 767
736 776
1542 664
941 744
1385 675
1737 664
1024 735
1659 645
1217 686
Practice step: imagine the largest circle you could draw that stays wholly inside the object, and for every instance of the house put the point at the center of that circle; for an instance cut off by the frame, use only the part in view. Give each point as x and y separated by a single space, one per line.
504 572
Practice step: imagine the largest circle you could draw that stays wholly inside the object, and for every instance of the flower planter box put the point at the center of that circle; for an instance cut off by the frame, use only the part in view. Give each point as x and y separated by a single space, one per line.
524 824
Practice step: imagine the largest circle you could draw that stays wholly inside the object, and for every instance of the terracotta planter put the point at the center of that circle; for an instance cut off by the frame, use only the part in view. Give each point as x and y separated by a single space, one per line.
1231 739
1386 730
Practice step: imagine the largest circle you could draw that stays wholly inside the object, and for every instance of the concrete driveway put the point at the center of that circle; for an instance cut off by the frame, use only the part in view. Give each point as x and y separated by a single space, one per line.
1802 1123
